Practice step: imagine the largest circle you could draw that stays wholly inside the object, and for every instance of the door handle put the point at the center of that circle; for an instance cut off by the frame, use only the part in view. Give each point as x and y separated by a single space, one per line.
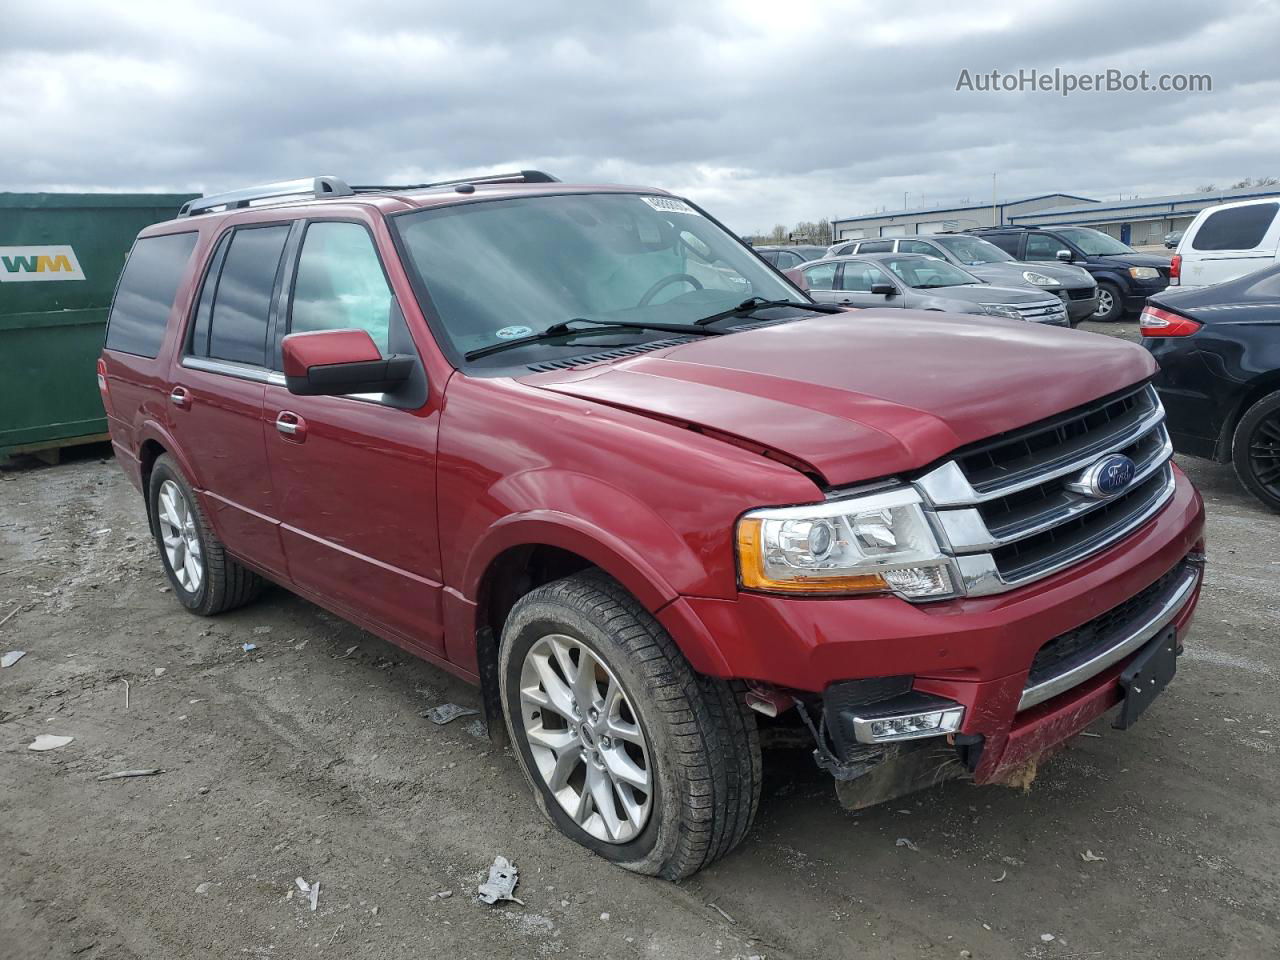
291 426
180 397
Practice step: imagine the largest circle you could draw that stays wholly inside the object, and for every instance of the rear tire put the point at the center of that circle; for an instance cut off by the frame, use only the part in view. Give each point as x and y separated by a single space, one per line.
204 577
1110 304
1255 450
693 737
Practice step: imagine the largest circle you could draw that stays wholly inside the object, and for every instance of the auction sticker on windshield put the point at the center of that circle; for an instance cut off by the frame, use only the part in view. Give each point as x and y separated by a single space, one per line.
669 205
510 333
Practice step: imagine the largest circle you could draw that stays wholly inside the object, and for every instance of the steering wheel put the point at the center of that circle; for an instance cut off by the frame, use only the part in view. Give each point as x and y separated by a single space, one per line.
666 282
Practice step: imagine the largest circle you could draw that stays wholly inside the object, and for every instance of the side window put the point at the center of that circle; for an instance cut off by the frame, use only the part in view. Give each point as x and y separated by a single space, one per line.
876 246
919 246
340 283
858 277
199 345
769 256
242 300
148 286
822 276
787 260
1236 228
1041 246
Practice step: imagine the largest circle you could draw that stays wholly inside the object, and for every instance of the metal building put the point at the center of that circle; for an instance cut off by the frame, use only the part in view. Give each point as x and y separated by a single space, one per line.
896 223
1142 221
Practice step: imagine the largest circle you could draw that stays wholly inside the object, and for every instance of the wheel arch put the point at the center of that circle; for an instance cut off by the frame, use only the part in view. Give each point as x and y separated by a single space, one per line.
1253 391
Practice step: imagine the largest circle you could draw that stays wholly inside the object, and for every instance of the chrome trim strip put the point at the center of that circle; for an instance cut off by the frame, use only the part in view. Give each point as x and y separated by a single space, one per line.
1136 638
229 368
981 577
966 530
947 486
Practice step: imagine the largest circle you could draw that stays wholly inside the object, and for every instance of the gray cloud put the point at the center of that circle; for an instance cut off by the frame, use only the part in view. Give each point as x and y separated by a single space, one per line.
763 112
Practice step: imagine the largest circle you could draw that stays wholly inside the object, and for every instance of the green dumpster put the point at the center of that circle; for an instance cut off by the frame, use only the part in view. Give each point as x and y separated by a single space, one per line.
60 256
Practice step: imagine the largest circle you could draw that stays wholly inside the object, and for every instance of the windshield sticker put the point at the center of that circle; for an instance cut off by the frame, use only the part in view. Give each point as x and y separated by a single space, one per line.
669 205
510 333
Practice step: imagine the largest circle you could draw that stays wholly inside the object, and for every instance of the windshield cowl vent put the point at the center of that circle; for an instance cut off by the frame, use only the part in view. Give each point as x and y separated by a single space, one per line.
619 353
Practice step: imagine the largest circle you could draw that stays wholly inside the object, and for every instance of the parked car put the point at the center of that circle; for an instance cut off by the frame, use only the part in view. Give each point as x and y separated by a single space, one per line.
784 258
1219 353
1227 241
914 281
1125 277
1172 238
1072 285
643 513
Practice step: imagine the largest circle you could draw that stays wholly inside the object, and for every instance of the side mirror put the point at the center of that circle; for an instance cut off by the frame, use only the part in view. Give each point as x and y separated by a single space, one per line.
884 289
337 362
798 278
1064 256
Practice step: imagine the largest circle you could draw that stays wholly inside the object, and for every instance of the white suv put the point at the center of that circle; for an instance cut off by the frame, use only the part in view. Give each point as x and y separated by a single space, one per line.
1227 241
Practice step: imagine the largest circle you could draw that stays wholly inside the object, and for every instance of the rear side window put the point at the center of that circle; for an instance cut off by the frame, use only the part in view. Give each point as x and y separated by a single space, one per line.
822 276
876 246
1235 228
241 303
340 283
147 289
1005 241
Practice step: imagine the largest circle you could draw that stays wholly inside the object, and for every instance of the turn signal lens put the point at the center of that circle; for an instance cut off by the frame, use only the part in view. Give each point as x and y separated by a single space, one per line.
1156 322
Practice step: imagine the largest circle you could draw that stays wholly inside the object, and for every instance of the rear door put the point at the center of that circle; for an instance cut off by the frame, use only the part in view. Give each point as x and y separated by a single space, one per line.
217 390
355 475
1230 242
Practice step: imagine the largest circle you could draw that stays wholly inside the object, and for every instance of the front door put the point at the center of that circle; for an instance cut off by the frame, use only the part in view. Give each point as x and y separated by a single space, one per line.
855 283
354 476
217 392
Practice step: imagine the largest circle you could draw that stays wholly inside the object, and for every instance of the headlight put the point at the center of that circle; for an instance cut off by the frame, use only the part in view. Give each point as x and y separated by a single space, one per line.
1039 279
1001 310
878 543
1144 273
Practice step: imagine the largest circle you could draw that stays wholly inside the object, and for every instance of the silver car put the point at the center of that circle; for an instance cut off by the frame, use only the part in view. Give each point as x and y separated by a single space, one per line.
914 281
1073 286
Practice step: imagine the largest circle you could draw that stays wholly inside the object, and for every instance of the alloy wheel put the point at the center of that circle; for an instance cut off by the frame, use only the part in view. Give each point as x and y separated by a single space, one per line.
1264 454
1105 302
178 533
585 738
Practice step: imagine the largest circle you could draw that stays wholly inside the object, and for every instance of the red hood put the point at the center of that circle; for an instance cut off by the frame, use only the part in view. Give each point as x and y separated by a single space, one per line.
868 393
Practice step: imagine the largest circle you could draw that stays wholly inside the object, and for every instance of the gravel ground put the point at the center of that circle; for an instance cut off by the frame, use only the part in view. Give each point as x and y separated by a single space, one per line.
309 757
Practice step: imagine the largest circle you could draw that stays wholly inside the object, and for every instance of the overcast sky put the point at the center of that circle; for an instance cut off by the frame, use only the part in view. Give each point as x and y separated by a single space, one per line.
764 112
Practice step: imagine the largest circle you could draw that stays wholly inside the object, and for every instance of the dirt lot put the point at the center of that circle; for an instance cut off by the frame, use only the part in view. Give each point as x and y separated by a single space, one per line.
309 757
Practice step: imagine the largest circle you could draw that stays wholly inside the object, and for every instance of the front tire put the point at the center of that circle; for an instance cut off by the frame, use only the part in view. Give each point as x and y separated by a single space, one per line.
630 753
1255 450
1110 304
203 576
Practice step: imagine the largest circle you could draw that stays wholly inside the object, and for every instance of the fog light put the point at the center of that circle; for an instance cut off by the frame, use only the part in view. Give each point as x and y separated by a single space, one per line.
908 726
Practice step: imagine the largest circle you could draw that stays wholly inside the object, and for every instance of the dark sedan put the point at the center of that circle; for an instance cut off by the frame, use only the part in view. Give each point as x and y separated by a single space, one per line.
1219 353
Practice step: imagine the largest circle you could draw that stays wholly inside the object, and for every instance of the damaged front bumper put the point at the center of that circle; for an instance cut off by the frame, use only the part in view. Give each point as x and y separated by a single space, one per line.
887 736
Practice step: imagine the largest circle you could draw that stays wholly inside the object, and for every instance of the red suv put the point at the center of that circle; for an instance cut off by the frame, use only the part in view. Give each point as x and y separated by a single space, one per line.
582 447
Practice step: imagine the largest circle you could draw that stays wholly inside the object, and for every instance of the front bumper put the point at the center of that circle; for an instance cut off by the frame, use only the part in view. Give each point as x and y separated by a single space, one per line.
977 652
1078 310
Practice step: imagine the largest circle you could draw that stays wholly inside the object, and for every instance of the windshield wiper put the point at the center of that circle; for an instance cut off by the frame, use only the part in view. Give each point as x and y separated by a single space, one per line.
752 304
562 328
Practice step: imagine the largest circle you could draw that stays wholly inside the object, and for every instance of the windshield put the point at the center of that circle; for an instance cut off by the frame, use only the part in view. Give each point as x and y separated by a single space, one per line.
924 273
973 251
504 269
1094 243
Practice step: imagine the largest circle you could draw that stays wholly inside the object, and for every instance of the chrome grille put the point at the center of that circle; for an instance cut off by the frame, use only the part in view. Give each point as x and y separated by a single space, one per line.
1005 507
1048 311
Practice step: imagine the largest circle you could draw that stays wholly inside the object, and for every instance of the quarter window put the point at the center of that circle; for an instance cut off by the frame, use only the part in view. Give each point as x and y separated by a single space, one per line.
876 246
1235 228
241 303
148 286
340 283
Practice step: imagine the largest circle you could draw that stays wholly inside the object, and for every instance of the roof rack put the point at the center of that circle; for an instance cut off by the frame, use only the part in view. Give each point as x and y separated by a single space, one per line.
517 176
319 187
237 199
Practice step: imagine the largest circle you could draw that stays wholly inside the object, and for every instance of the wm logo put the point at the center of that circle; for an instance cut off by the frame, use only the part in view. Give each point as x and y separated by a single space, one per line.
31 264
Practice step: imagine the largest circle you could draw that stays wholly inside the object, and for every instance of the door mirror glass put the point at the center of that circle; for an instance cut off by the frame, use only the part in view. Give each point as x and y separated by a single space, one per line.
339 362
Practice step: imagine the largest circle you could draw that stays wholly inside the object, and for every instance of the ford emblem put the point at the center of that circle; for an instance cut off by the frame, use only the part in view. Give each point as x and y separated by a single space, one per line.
1105 478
